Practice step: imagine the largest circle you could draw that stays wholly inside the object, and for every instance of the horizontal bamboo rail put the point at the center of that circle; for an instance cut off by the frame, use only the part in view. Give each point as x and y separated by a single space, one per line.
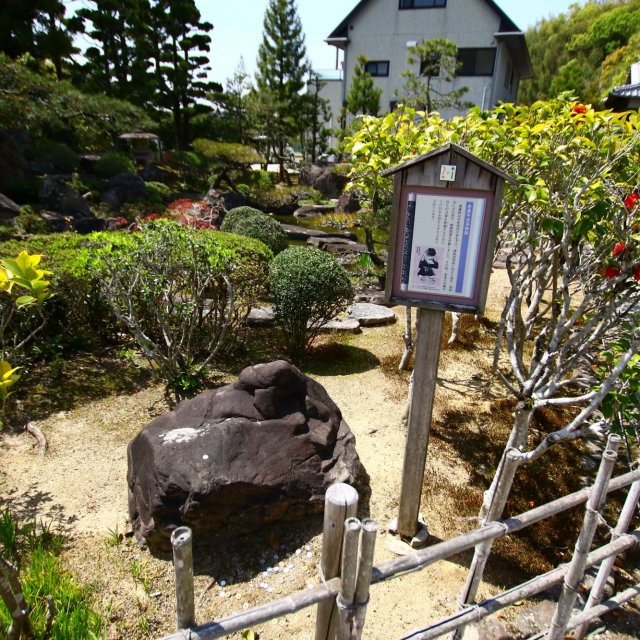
525 590
392 568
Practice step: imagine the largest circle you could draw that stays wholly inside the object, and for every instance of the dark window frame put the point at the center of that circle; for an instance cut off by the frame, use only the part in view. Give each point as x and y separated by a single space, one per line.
422 4
464 69
377 74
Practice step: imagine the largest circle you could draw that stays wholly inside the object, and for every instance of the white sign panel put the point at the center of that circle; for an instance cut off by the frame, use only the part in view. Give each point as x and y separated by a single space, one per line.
441 244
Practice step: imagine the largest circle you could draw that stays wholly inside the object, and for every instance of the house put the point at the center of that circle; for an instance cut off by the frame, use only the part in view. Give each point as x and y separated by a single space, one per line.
491 48
627 96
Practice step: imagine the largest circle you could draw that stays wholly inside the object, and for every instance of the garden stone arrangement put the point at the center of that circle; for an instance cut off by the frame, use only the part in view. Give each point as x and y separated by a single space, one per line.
260 450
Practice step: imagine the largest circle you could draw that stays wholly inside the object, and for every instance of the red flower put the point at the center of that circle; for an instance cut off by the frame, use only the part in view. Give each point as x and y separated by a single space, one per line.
636 272
631 200
612 272
619 249
579 109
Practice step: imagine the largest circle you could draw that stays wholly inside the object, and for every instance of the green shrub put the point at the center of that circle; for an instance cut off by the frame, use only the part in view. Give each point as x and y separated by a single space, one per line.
308 288
180 292
191 167
244 189
112 164
228 153
246 221
77 316
159 192
282 201
263 180
34 550
56 157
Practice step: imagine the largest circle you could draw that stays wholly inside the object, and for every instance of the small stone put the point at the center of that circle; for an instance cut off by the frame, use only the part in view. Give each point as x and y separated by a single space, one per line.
223 583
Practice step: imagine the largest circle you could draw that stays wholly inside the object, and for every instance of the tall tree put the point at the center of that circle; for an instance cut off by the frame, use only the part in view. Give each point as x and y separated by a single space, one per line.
282 66
115 63
363 97
438 63
235 103
38 28
179 46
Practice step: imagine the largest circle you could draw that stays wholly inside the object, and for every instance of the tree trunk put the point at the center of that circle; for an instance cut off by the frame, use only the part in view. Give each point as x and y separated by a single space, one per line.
495 500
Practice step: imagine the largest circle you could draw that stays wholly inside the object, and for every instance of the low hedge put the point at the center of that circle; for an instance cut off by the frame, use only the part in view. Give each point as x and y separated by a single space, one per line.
250 222
78 316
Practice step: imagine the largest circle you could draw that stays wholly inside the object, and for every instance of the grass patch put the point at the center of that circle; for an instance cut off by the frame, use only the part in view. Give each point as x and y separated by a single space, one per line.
60 608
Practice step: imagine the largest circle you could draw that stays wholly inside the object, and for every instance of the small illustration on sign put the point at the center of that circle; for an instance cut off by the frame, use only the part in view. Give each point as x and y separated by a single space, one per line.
448 172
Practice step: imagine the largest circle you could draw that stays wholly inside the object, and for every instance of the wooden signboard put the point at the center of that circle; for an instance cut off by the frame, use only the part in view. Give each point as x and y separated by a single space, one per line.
443 232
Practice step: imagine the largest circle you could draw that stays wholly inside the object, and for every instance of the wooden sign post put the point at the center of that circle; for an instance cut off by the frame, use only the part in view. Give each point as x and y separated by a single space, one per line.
443 231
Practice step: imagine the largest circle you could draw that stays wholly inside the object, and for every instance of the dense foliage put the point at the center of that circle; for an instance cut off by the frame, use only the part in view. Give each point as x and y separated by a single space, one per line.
363 96
250 222
50 109
171 287
587 50
309 287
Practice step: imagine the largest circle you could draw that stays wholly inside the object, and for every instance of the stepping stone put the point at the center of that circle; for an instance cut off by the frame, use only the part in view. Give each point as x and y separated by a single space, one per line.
309 210
371 315
341 325
261 317
333 244
294 232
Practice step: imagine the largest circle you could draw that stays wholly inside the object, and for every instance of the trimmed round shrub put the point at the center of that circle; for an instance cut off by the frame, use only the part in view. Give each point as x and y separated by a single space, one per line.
112 164
158 192
250 222
57 156
308 287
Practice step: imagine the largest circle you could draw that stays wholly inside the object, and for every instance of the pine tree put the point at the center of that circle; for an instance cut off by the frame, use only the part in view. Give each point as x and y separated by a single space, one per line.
37 28
316 114
438 61
364 96
179 46
282 66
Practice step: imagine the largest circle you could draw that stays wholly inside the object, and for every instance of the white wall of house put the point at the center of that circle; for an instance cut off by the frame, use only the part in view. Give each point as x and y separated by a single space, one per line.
381 31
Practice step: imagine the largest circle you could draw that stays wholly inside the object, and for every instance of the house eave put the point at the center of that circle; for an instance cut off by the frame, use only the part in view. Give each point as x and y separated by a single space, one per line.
517 47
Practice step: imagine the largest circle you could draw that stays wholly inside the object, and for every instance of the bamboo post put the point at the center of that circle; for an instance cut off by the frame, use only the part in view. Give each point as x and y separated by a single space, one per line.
367 547
595 596
349 577
483 550
428 332
340 503
592 515
181 540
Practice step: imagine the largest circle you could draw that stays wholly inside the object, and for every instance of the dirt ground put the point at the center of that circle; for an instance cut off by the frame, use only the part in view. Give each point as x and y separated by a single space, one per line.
80 486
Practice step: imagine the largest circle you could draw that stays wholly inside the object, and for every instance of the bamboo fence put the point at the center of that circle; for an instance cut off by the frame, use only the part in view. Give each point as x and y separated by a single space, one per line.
354 541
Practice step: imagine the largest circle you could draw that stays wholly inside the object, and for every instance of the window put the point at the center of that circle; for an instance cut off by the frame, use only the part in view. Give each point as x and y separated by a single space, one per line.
476 62
377 67
422 4
508 77
392 105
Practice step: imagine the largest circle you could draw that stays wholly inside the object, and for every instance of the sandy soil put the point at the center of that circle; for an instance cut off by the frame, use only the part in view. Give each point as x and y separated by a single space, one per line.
80 485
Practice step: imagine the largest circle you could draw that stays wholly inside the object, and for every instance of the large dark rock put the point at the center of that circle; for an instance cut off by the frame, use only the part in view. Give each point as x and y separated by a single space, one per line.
225 200
8 210
263 449
122 188
325 179
348 202
56 195
13 166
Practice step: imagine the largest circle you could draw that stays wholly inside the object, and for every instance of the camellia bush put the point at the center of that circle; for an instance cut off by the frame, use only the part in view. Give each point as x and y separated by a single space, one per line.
573 223
308 287
250 222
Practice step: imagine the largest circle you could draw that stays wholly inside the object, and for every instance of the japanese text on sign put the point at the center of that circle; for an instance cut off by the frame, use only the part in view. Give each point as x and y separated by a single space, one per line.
441 244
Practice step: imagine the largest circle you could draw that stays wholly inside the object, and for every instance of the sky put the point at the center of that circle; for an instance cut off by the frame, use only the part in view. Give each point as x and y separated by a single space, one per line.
238 28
